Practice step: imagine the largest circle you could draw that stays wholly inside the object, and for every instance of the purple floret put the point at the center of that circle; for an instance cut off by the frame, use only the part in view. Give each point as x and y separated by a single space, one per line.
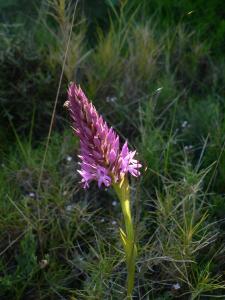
100 155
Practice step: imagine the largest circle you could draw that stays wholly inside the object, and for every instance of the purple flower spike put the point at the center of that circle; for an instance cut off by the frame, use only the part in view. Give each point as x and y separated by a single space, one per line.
100 154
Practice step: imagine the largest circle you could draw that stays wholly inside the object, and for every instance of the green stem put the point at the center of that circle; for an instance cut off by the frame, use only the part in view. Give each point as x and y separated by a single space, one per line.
128 239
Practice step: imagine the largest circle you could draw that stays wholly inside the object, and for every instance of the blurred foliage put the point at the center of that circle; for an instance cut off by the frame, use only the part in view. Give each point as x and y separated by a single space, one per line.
155 71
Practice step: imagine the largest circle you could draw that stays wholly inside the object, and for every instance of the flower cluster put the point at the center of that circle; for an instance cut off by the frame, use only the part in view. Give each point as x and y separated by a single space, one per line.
100 154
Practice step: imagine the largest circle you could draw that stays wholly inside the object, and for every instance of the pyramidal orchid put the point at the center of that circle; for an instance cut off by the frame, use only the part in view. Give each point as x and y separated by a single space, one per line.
100 154
103 160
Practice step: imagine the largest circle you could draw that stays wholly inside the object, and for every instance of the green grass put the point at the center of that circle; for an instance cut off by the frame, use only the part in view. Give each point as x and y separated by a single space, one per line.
156 74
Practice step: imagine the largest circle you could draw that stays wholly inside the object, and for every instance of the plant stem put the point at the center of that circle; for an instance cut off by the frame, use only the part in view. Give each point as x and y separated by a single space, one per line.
123 192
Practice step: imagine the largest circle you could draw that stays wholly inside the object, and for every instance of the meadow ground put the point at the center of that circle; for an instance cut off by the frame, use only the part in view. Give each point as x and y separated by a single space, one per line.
155 71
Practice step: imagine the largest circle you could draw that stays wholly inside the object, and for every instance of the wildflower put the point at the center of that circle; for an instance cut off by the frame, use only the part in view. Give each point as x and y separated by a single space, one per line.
69 158
111 99
69 207
100 154
176 286
103 160
114 203
188 147
184 124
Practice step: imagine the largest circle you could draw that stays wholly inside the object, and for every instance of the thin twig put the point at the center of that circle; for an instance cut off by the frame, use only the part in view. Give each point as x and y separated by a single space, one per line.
56 101
51 124
14 241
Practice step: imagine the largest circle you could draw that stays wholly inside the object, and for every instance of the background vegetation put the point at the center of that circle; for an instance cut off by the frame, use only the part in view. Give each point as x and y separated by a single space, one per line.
155 71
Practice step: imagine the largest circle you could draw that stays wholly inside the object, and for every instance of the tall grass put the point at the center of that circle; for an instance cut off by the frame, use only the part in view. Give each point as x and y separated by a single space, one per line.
156 83
62 13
